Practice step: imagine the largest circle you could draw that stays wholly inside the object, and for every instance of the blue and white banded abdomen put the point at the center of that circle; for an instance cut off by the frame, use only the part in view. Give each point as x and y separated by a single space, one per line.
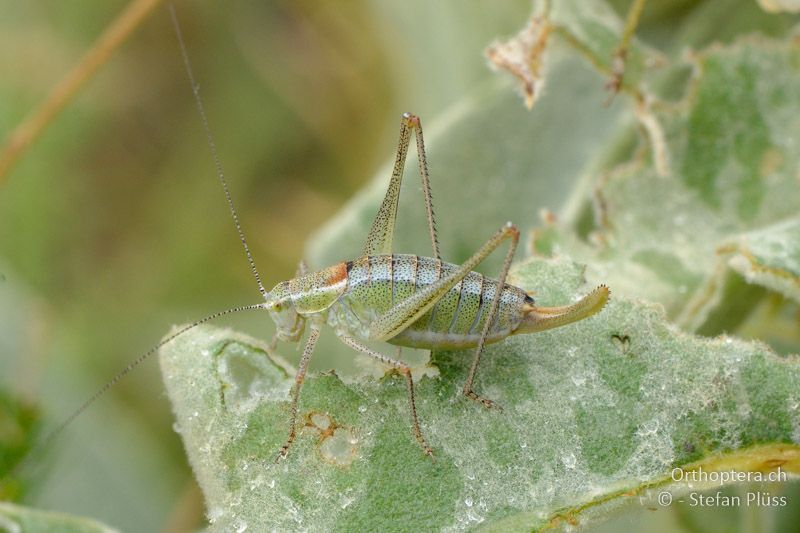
376 283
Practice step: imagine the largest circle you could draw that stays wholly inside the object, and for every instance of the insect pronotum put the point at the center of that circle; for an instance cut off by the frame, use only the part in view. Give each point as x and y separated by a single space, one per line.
402 299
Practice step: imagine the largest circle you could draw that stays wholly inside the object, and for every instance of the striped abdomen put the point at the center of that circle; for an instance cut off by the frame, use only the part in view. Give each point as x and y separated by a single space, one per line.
376 283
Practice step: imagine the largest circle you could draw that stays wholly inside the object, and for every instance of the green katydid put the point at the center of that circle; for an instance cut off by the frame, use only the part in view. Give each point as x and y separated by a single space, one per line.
405 300
414 301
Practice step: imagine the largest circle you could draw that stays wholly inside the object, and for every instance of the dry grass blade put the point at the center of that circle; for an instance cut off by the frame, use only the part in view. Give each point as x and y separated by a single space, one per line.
34 124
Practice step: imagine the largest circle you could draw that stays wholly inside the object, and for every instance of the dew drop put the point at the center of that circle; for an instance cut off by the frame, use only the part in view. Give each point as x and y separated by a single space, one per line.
569 461
346 501
650 427
214 514
572 351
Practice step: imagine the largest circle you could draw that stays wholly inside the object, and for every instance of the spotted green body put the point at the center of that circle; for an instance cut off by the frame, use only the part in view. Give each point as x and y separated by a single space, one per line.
376 283
406 300
409 300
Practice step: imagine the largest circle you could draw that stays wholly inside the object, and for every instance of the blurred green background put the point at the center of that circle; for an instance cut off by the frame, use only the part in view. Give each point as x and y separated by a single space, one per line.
113 226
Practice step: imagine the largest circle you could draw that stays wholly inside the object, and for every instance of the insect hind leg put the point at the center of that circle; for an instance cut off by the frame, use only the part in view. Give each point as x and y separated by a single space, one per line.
406 312
512 232
381 234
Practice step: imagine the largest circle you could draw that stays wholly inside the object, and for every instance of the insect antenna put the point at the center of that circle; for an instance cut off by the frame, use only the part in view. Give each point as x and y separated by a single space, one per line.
213 148
54 433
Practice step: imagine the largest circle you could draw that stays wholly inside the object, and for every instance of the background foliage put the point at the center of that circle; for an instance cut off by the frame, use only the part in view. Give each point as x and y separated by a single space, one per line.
113 225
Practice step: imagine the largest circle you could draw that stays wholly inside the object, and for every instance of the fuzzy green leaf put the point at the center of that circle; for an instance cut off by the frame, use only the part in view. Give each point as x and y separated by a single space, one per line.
592 411
595 412
770 257
731 167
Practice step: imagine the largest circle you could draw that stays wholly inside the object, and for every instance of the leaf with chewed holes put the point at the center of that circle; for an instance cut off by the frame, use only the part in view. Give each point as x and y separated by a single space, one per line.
730 197
593 414
770 257
597 413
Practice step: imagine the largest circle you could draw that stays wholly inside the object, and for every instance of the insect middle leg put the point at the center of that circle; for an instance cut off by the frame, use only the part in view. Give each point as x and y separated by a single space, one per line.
406 371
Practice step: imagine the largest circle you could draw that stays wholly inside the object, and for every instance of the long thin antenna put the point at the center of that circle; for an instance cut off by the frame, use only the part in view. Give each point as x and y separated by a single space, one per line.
139 360
52 435
43 444
213 148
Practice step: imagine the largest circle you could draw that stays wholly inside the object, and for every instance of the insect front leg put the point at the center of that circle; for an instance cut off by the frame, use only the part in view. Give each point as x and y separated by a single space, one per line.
406 371
298 383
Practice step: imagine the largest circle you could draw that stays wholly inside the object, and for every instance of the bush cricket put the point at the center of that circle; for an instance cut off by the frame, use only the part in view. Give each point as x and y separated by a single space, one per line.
403 299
